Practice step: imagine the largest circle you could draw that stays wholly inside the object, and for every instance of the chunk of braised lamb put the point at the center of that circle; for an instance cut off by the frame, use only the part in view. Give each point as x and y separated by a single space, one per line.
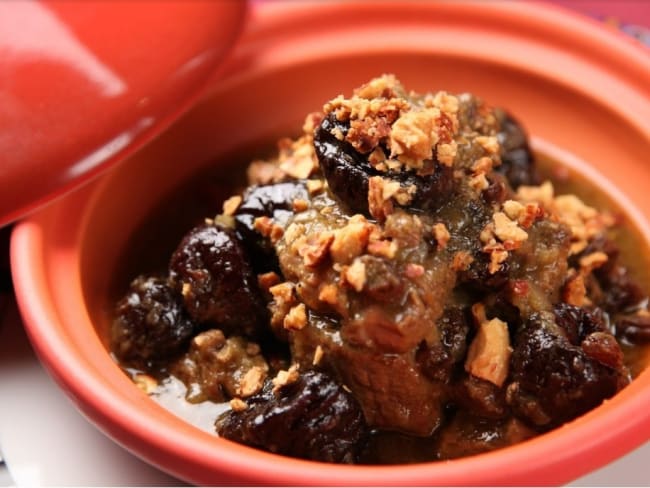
217 369
274 201
479 397
311 417
554 381
347 172
371 376
150 323
370 373
467 434
211 271
540 262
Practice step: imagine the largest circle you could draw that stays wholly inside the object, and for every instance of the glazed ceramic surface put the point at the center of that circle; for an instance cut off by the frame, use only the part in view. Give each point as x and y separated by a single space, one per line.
82 84
583 93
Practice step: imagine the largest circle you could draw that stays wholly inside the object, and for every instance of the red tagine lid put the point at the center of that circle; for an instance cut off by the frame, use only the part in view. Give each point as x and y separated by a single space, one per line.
83 84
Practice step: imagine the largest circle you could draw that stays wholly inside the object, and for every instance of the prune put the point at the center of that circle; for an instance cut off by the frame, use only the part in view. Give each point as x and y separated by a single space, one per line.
438 361
478 278
553 380
634 328
274 201
347 172
211 271
578 322
150 323
517 161
620 292
497 190
313 418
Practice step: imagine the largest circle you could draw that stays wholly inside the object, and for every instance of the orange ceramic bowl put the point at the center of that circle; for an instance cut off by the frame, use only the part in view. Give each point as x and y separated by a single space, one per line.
575 85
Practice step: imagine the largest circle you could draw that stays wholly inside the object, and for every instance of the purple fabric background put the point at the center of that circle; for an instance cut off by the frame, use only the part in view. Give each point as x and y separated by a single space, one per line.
630 16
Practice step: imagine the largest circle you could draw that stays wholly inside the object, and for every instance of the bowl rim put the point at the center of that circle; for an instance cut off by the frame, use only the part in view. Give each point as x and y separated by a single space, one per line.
622 426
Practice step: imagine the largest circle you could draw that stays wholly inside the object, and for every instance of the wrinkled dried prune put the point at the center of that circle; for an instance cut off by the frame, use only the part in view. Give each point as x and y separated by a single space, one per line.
347 172
212 272
150 323
274 201
620 292
478 278
578 322
634 328
553 380
312 418
438 361
517 161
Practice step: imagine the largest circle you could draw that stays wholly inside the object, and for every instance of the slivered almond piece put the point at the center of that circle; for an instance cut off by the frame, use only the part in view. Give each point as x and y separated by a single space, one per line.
318 356
285 377
296 319
231 205
355 275
251 382
489 353
238 405
350 241
508 230
441 234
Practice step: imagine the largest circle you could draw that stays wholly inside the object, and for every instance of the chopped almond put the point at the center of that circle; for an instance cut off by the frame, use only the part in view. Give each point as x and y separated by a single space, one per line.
238 405
446 153
575 291
413 136
315 186
508 230
316 248
413 270
251 382
355 275
592 261
489 353
489 143
231 205
318 356
267 280
300 205
146 383
351 240
263 225
283 292
377 206
462 261
285 377
382 248
296 319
